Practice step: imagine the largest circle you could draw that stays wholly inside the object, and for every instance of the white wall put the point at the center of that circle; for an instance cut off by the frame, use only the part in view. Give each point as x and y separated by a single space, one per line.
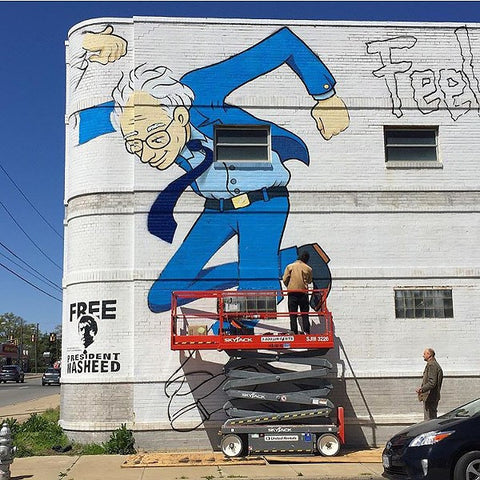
382 228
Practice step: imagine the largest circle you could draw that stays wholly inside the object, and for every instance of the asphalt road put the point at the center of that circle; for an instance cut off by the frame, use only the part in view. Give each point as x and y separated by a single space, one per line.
31 389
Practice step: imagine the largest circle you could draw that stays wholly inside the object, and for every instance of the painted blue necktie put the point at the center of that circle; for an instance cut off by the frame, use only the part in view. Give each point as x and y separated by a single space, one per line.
160 218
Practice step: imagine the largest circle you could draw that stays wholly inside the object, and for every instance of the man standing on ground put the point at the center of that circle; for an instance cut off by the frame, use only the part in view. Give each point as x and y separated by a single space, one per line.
429 392
297 276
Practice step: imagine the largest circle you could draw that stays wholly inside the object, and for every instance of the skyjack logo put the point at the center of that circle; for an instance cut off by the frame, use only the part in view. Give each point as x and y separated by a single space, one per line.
279 429
253 395
238 339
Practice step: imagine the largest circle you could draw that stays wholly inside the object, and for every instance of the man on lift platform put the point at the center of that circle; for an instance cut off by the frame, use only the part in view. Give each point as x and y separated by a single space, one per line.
296 278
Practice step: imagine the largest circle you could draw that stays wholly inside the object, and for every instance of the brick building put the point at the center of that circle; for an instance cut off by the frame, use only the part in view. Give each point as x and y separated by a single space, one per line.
392 199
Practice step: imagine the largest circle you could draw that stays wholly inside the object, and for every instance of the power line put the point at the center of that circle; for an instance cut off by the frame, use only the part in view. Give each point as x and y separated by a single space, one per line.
30 203
30 238
28 265
30 283
30 273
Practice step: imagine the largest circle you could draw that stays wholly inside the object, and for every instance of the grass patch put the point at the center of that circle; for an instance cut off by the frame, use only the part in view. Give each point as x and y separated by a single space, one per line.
87 449
38 434
41 435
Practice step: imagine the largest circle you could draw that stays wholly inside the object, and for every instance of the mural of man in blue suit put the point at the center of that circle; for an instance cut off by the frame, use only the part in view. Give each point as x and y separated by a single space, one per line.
166 122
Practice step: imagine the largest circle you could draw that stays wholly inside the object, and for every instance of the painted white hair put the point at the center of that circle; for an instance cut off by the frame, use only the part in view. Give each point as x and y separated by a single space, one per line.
158 82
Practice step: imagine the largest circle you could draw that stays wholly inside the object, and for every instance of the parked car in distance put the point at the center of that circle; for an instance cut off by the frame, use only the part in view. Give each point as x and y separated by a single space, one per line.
51 376
446 448
11 373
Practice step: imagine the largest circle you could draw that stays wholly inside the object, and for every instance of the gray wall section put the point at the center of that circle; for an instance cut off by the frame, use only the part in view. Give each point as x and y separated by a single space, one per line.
97 409
375 409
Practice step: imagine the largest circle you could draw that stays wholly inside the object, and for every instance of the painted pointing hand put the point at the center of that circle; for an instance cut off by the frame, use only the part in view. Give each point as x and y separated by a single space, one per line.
107 47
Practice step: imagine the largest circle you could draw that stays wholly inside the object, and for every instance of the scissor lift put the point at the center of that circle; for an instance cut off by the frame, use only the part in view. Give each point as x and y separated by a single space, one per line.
276 381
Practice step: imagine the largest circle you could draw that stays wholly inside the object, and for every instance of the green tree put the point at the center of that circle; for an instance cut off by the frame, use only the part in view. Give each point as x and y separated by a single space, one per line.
13 328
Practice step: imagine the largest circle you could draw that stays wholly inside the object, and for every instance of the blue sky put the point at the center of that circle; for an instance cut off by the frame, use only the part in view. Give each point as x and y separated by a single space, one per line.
32 121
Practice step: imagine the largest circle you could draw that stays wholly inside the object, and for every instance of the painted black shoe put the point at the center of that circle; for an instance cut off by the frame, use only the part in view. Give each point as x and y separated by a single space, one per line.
322 278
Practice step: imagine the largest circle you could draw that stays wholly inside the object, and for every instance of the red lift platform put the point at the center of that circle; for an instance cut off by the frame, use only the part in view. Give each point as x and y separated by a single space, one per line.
245 320
271 408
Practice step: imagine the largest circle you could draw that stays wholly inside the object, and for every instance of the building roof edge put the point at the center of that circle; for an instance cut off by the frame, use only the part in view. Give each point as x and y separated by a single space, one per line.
262 21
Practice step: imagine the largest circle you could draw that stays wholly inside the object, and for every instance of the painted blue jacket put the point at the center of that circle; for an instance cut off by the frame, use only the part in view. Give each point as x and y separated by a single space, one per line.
212 84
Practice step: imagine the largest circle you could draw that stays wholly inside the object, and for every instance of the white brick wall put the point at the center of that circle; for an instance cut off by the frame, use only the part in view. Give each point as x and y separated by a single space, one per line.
382 228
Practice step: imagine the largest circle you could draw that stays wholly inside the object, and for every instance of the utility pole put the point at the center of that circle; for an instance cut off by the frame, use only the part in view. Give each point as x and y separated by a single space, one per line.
53 339
36 350
35 343
20 345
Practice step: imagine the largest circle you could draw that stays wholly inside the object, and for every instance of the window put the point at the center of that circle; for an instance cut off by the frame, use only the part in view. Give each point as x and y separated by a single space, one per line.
246 143
414 147
424 303
253 303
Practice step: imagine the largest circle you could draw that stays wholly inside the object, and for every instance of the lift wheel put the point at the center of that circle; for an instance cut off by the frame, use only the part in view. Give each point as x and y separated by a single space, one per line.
328 444
232 445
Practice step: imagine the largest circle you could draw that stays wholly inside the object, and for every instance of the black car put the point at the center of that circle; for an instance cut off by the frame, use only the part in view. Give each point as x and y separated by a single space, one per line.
51 376
11 373
447 448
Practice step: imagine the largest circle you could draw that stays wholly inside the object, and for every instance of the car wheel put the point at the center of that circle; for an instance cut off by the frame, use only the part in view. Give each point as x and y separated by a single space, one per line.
232 445
18 381
328 444
468 466
22 380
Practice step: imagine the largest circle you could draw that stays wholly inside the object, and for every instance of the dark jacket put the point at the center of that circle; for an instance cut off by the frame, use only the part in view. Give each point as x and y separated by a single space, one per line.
432 382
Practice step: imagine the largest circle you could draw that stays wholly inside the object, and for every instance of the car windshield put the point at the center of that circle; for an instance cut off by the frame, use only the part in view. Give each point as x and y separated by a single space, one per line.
6 368
469 410
52 370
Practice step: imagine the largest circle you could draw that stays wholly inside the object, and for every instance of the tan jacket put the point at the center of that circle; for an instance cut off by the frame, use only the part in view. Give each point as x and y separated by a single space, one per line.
297 276
431 382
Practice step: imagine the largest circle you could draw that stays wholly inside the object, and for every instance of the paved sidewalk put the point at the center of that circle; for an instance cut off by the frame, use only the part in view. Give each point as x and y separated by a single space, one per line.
109 467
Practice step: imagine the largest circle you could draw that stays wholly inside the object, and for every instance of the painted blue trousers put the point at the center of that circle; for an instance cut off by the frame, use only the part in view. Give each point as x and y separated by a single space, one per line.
259 229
